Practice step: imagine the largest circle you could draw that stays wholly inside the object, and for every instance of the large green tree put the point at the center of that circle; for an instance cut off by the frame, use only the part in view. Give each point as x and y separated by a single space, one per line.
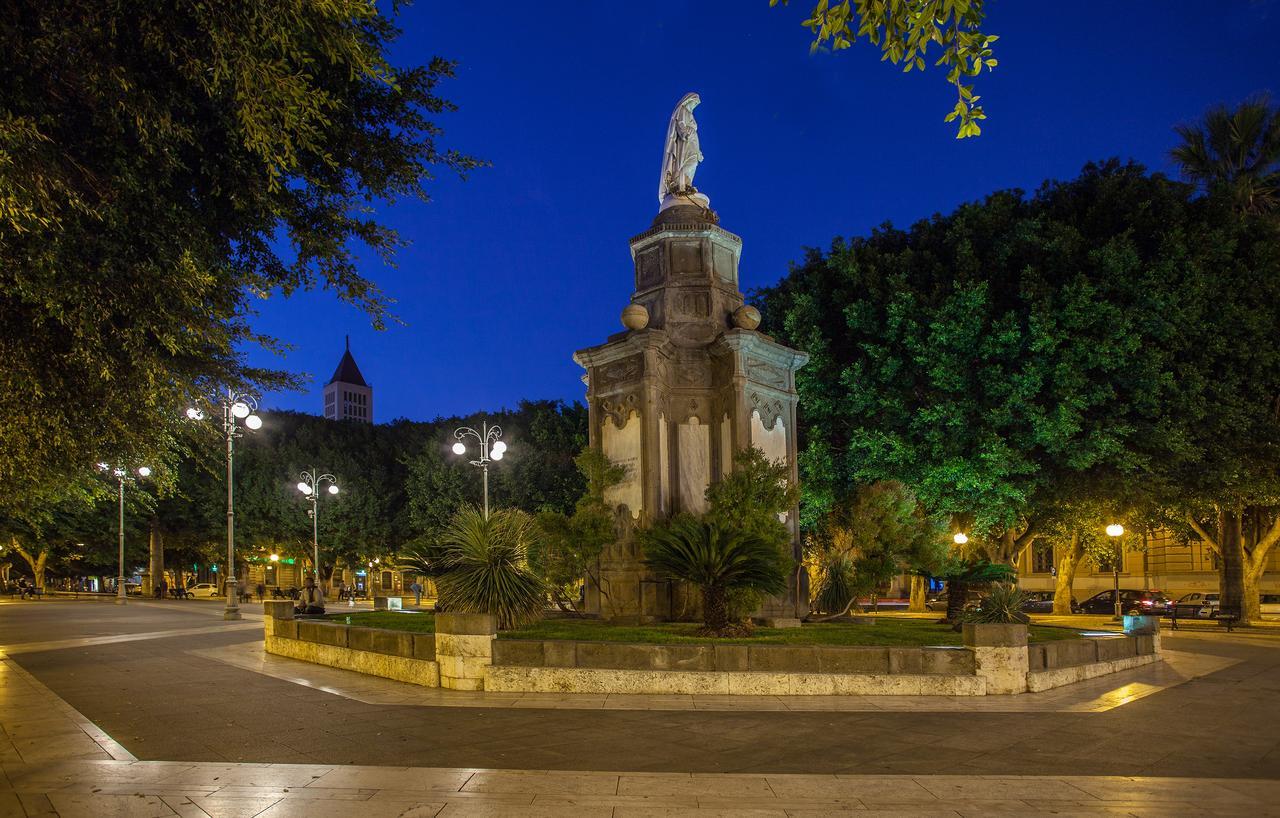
1104 339
164 164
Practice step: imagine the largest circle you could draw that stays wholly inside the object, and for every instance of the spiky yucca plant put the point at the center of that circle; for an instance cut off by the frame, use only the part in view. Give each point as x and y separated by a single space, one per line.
486 567
1002 605
717 560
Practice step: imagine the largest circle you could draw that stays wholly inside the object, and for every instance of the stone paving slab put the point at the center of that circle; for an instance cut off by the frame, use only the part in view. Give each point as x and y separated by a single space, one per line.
151 789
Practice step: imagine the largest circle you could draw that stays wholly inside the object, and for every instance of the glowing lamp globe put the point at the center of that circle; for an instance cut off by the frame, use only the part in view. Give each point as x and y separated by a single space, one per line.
459 448
195 414
304 488
1115 530
499 446
253 422
240 409
274 557
960 538
333 489
496 454
144 471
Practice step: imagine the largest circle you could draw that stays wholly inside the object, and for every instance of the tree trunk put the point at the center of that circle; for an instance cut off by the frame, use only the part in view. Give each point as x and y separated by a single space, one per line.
155 562
1251 607
1063 590
918 587
715 609
957 591
1231 546
36 563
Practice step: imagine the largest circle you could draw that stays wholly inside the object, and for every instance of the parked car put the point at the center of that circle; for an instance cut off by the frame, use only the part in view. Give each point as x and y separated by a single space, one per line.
1131 602
203 590
1042 602
1270 604
1196 605
938 602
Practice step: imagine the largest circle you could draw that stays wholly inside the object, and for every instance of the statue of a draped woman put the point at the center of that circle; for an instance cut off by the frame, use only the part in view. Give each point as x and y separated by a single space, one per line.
681 155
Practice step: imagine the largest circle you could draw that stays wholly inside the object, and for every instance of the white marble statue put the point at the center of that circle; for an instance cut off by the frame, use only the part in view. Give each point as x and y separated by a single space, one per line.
680 157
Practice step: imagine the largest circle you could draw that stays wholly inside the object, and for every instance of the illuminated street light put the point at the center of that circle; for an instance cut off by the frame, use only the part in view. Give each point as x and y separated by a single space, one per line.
491 448
310 487
960 538
235 407
122 476
1115 531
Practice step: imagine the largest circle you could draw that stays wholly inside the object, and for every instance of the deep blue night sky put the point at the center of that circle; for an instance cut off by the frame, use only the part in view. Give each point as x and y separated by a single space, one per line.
526 261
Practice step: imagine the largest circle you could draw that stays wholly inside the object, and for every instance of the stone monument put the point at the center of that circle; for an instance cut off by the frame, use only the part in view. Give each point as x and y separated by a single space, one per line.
689 382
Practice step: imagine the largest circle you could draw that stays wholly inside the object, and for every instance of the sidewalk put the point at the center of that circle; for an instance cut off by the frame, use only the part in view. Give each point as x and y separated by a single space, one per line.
193 790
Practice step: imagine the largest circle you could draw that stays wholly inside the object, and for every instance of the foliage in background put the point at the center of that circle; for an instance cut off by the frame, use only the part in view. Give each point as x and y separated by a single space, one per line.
716 559
486 567
568 546
906 31
1110 337
162 166
871 535
1001 605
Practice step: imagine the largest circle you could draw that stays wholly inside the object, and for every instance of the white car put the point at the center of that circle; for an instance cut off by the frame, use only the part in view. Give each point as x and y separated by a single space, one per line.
203 590
1270 605
1197 605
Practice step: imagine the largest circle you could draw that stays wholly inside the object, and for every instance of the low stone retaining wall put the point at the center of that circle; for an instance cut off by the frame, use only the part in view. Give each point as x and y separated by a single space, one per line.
732 658
464 654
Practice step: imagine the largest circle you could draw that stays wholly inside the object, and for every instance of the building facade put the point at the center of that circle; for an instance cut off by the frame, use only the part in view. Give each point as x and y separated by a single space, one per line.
347 396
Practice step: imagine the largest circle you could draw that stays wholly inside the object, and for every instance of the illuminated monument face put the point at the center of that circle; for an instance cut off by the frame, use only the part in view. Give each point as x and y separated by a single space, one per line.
686 385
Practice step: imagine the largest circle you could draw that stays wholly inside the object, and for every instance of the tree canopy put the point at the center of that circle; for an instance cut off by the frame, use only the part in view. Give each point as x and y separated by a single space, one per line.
163 165
1100 339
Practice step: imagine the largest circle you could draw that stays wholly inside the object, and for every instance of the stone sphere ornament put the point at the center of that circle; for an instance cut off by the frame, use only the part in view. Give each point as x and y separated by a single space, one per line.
635 316
746 317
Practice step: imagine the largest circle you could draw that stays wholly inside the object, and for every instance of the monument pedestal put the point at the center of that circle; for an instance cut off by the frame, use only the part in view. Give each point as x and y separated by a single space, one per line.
674 397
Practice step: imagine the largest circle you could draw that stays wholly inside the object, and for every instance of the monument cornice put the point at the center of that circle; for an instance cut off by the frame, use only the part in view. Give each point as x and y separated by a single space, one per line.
705 229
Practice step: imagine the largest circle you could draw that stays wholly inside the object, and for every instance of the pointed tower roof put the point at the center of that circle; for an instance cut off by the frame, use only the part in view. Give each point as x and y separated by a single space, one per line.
347 371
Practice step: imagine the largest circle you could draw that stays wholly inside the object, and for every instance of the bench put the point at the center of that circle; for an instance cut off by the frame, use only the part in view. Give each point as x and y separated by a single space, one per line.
1228 616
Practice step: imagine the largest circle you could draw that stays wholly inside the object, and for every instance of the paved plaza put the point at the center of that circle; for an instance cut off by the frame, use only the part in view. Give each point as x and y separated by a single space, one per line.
162 708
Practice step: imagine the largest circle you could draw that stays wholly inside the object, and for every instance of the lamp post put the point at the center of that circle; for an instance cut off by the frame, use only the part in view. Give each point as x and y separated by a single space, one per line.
491 448
235 407
310 486
1115 531
122 476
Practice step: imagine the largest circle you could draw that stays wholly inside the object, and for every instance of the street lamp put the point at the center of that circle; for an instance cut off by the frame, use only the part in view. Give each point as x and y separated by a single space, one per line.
491 448
310 486
960 538
122 476
236 408
1115 531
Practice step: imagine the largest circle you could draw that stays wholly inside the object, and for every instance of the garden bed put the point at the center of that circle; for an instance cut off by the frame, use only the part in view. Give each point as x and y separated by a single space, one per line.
388 620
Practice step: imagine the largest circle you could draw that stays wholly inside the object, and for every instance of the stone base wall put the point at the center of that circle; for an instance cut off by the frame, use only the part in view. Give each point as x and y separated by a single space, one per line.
1038 681
464 654
732 658
514 678
400 668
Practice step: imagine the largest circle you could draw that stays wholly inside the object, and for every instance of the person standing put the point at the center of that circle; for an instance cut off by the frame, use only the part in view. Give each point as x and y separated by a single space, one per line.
416 587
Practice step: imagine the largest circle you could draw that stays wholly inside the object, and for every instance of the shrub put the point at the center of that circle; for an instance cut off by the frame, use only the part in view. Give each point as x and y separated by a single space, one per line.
1002 605
486 568
717 560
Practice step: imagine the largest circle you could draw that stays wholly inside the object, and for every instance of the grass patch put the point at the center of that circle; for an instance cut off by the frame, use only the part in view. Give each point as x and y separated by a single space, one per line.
388 620
904 632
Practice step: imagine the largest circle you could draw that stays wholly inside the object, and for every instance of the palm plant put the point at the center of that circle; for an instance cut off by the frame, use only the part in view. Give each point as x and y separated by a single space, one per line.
1235 154
717 559
484 566
1001 605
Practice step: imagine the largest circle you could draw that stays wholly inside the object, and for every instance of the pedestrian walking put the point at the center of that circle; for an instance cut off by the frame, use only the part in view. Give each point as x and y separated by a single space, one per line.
262 591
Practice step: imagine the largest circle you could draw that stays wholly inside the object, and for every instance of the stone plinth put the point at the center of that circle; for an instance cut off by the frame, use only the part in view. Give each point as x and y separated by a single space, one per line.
1000 655
464 648
1144 626
674 397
